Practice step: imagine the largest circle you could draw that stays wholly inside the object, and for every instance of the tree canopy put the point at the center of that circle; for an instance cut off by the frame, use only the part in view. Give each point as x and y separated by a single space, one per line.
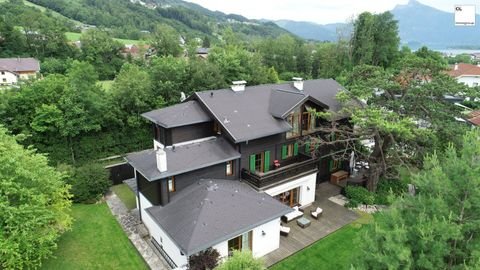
439 227
34 206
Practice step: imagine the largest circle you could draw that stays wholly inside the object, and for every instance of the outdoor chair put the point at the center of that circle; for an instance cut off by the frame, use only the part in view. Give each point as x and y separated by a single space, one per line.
284 230
316 213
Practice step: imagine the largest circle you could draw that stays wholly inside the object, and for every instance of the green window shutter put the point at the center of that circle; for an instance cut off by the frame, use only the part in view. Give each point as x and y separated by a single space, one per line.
252 163
295 149
330 165
266 162
307 147
284 151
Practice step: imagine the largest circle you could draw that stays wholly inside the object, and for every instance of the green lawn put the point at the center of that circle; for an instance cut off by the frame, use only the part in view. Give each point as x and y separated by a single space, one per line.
72 36
335 251
126 195
96 241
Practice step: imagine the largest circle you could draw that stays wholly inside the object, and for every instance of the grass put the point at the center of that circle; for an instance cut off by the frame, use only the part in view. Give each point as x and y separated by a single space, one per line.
126 195
336 251
96 241
106 85
72 36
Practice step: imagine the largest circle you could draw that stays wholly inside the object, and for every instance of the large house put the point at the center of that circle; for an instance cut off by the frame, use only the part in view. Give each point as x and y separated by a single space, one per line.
466 73
14 69
228 164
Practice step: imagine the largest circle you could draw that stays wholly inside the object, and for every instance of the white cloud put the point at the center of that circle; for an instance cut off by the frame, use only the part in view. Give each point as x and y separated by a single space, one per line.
319 11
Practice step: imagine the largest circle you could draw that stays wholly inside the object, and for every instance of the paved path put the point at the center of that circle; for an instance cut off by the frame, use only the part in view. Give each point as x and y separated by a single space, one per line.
133 228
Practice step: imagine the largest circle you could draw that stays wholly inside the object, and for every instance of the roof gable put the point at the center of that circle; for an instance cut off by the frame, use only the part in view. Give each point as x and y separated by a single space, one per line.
20 64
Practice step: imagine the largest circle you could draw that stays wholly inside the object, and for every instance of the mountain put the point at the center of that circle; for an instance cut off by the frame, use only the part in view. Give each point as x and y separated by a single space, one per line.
425 25
419 25
128 17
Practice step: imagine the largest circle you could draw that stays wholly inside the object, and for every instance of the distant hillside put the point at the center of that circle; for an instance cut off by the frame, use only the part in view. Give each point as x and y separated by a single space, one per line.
129 17
418 25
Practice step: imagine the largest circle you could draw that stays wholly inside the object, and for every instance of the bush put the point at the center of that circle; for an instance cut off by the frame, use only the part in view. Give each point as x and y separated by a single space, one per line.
241 260
207 259
358 195
89 183
387 188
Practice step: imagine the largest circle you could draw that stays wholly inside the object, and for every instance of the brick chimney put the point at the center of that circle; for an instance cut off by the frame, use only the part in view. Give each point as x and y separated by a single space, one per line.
161 160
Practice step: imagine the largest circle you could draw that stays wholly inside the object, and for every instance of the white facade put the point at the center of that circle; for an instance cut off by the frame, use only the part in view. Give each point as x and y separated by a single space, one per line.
167 244
470 80
265 238
306 185
8 78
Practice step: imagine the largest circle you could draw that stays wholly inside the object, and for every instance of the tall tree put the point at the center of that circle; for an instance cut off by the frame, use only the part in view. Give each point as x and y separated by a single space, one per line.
166 41
375 39
439 227
34 206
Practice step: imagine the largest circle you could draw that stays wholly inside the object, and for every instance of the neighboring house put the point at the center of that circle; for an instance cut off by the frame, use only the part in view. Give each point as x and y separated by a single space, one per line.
202 52
466 73
474 118
14 69
136 51
475 56
227 164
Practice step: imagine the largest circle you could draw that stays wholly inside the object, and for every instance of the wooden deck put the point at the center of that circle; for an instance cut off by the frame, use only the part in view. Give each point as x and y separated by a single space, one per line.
333 218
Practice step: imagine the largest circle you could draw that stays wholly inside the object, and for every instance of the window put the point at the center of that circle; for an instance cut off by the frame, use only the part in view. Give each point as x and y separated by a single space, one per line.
260 162
3 72
475 84
241 242
171 184
289 150
308 121
290 197
294 120
4 80
334 164
229 169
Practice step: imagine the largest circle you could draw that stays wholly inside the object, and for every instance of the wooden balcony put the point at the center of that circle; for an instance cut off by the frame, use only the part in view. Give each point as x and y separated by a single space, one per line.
289 168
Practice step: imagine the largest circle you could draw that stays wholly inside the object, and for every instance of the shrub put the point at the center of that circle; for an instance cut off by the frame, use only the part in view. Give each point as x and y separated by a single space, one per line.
89 183
207 259
387 188
358 195
241 260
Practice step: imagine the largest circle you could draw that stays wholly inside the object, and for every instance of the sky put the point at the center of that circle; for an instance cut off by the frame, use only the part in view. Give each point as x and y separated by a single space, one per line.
318 11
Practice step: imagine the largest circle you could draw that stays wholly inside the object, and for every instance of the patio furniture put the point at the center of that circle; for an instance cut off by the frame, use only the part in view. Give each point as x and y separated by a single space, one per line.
284 230
316 213
336 177
292 215
303 222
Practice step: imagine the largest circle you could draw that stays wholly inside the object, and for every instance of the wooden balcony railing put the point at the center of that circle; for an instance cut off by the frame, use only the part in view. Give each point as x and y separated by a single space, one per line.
287 169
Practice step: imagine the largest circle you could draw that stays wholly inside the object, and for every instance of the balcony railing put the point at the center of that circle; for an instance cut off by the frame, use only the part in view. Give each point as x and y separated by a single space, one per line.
288 168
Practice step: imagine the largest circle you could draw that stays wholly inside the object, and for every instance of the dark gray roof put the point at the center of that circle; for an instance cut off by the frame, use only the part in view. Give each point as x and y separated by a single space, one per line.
250 114
182 114
281 102
20 64
183 158
203 50
212 211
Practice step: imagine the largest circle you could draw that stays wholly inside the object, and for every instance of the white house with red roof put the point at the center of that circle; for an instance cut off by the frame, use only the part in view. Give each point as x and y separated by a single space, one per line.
466 73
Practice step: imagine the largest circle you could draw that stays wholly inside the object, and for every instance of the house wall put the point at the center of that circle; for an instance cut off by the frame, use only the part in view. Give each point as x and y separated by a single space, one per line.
8 78
167 244
26 75
216 172
307 186
192 132
270 143
264 244
471 81
153 191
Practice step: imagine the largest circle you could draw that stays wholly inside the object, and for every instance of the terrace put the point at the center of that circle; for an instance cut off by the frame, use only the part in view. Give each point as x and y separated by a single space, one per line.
333 218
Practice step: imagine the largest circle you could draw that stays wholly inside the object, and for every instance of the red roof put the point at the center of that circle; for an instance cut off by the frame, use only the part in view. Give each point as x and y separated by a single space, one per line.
464 69
474 118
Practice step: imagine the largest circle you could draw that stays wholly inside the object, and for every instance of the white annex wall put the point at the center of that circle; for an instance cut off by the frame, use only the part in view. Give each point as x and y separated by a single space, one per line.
266 238
160 236
469 80
7 77
307 186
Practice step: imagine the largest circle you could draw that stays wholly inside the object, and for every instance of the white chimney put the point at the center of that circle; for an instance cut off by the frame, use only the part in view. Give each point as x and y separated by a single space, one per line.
238 86
298 83
161 160
455 67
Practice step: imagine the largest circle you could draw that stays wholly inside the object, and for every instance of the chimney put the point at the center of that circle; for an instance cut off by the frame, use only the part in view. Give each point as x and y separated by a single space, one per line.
298 83
455 67
238 86
161 160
